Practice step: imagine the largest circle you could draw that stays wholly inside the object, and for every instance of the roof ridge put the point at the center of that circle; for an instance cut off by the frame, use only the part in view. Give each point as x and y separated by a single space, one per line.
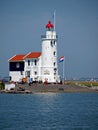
12 57
26 55
32 53
17 55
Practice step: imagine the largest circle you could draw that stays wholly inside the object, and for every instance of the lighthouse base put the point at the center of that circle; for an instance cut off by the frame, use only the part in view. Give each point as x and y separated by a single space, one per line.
50 79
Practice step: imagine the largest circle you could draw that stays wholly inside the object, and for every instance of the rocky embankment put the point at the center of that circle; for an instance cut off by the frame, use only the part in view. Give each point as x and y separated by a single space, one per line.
36 88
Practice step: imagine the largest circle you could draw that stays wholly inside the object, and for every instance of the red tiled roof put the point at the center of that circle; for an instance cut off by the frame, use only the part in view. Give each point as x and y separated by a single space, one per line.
32 55
24 56
17 57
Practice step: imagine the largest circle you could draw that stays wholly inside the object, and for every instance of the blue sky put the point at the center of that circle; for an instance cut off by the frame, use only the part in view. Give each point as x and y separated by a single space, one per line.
22 22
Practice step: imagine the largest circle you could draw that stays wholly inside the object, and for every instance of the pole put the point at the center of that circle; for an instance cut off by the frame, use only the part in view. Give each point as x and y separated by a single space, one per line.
63 70
54 20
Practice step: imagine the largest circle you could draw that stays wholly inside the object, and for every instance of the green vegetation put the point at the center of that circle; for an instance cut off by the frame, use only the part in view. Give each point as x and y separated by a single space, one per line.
90 84
82 83
2 85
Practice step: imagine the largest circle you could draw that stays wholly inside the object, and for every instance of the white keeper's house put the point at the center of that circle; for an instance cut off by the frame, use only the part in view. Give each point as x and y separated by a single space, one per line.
38 66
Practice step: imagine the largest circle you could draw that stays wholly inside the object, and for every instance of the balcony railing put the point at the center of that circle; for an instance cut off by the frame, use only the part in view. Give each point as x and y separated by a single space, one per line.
49 37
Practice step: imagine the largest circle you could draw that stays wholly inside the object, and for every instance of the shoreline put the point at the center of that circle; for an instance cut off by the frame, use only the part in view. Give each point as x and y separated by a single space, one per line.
46 88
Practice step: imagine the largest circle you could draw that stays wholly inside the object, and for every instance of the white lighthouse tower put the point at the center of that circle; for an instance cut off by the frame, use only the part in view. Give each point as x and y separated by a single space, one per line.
49 70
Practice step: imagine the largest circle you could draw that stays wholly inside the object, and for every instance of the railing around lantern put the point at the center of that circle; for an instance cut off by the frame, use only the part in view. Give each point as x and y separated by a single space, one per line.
46 37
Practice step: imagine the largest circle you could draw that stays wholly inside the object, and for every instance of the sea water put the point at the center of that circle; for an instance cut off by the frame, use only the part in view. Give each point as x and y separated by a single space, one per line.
49 111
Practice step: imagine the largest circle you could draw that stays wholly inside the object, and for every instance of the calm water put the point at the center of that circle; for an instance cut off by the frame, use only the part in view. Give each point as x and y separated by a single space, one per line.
49 111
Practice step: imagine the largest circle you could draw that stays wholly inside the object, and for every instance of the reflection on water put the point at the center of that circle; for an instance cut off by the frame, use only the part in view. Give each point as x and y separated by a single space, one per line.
46 111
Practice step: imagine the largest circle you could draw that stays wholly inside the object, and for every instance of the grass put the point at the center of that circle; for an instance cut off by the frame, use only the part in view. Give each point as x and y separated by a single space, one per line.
82 83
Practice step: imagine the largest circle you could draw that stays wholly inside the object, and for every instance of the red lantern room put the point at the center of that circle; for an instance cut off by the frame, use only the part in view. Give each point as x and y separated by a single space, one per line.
49 26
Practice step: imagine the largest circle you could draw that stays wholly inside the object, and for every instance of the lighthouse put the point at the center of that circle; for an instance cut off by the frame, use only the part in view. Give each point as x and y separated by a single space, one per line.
49 71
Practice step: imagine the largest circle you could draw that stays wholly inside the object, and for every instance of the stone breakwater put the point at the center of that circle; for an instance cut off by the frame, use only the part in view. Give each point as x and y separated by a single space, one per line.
37 88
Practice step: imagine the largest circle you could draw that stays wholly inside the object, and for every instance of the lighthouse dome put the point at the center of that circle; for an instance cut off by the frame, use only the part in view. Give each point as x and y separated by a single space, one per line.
49 25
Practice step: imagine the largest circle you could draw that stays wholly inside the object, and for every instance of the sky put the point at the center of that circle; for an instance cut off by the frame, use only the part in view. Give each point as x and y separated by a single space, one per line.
22 22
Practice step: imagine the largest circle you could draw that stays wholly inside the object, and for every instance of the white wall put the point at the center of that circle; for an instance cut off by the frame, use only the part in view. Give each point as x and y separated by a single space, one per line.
48 57
16 76
32 67
9 86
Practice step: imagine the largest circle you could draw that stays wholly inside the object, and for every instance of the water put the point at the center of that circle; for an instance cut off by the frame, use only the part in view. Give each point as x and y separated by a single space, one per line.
49 111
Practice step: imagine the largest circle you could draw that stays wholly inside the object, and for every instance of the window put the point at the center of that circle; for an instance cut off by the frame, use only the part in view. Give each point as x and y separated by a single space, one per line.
28 62
35 62
32 63
54 42
28 73
21 72
51 42
54 63
55 69
54 53
35 73
17 65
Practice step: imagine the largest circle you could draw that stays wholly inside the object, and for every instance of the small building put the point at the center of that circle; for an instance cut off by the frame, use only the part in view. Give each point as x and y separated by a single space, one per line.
37 66
9 86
